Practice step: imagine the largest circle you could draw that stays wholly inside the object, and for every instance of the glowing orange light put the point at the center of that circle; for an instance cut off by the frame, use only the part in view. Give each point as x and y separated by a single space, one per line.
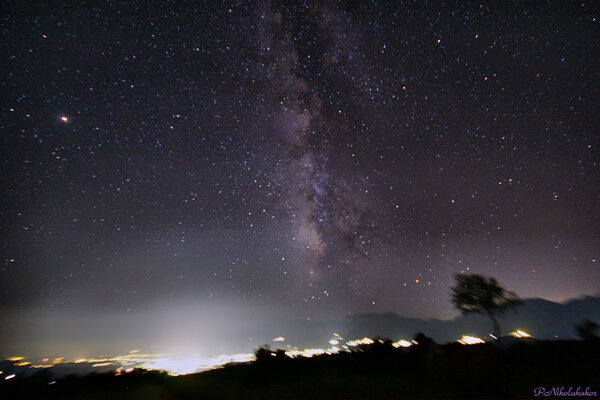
470 340
520 334
105 364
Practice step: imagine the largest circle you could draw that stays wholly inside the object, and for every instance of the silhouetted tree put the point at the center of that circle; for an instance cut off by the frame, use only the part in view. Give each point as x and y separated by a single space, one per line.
479 294
587 330
280 355
263 354
422 339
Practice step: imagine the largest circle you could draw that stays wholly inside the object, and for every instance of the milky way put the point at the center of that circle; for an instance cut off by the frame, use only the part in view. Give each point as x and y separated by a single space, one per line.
328 218
314 159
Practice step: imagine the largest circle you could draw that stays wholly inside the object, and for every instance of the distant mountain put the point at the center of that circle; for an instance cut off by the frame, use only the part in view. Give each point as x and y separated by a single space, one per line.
541 318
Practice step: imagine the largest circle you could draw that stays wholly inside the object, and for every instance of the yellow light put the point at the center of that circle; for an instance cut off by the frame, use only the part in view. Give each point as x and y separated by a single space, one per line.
305 353
520 334
358 342
279 339
470 340
81 360
402 343
105 364
13 359
194 363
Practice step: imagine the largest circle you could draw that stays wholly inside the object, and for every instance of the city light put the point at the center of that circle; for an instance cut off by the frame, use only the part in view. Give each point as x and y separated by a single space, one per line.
305 353
358 342
520 334
104 364
194 363
402 343
466 339
180 365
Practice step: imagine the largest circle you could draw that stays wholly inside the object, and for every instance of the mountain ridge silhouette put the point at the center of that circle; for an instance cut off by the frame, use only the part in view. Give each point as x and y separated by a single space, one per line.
544 319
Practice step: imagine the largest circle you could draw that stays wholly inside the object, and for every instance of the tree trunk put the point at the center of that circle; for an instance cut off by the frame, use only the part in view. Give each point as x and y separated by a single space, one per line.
495 325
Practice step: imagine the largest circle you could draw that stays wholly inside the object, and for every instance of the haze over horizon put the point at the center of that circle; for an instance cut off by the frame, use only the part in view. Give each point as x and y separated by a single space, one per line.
217 165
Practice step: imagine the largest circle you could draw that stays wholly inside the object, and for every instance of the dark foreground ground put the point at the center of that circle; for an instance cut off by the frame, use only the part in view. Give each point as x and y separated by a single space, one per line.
378 371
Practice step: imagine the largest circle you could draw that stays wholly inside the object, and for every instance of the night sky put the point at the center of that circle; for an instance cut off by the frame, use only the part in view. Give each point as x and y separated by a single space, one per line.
302 159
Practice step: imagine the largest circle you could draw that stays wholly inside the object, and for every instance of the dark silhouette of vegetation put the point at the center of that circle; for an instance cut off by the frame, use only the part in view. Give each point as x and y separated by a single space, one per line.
423 340
422 353
588 330
479 294
263 354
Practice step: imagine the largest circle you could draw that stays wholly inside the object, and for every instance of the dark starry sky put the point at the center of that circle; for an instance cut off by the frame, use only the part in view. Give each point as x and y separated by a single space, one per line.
317 159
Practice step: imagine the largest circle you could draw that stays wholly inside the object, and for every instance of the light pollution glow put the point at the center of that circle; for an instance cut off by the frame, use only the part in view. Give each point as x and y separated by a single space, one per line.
181 365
